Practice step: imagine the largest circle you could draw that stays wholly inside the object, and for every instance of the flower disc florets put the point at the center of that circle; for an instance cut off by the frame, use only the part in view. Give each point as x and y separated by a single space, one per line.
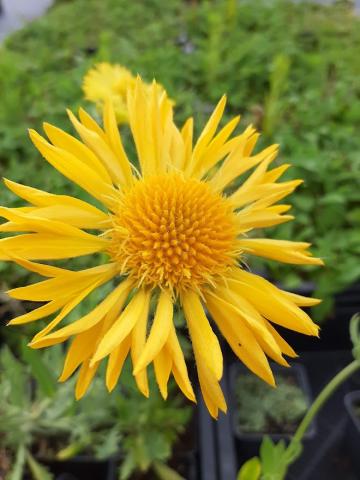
173 232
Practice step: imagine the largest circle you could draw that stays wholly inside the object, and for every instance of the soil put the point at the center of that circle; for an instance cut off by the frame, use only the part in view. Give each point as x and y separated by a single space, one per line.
5 463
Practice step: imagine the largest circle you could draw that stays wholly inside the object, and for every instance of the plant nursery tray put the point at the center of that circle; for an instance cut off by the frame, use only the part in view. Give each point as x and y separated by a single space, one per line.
325 455
81 468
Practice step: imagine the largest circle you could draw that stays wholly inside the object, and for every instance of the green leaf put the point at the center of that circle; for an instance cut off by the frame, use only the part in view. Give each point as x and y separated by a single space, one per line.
38 471
45 378
17 472
164 472
273 459
14 371
251 470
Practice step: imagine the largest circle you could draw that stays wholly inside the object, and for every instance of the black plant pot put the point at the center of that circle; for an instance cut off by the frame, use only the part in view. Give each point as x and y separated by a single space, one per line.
207 446
324 455
81 468
352 436
248 444
184 464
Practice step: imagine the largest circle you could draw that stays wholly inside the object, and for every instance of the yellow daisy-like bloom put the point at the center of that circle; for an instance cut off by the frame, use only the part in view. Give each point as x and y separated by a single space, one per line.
111 81
174 233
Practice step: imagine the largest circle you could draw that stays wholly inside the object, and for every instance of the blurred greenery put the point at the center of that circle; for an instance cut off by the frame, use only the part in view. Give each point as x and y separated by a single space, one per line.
291 68
41 419
278 410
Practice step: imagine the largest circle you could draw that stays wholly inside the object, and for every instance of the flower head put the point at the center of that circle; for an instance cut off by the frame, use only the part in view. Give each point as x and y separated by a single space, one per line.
111 81
176 231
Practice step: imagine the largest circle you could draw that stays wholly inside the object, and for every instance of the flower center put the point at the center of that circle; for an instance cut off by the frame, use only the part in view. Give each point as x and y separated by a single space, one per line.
173 232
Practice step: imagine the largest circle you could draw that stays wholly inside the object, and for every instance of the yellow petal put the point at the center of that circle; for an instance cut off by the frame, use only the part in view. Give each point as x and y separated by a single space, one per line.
140 111
80 349
187 135
77 217
236 163
159 331
275 173
280 250
138 337
270 302
88 122
114 140
260 219
42 225
210 386
102 150
116 362
121 292
255 192
210 156
241 341
74 169
202 336
38 313
67 283
65 311
237 308
284 346
207 135
67 142
47 200
86 374
179 366
123 325
62 208
43 246
210 405
162 366
301 301
40 268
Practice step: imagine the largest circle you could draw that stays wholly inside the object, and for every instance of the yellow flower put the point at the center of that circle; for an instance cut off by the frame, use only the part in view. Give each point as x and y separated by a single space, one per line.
111 81
173 233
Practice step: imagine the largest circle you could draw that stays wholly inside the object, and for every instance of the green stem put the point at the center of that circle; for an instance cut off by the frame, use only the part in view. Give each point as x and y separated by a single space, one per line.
321 399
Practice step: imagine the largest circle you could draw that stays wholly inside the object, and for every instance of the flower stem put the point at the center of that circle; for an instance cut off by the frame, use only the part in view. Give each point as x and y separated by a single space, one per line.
321 399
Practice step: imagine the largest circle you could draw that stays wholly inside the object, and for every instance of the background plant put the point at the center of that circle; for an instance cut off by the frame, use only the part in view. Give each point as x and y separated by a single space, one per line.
275 458
41 419
272 410
291 68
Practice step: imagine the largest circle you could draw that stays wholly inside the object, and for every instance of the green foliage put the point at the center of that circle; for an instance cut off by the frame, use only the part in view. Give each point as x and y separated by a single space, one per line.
34 410
148 431
290 67
251 470
260 407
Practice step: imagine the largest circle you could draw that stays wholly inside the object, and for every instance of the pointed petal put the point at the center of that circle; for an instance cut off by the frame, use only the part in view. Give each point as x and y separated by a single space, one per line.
271 303
202 336
38 313
79 351
67 142
179 366
159 331
84 380
74 169
138 338
241 341
123 325
114 140
280 250
121 292
116 362
162 366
